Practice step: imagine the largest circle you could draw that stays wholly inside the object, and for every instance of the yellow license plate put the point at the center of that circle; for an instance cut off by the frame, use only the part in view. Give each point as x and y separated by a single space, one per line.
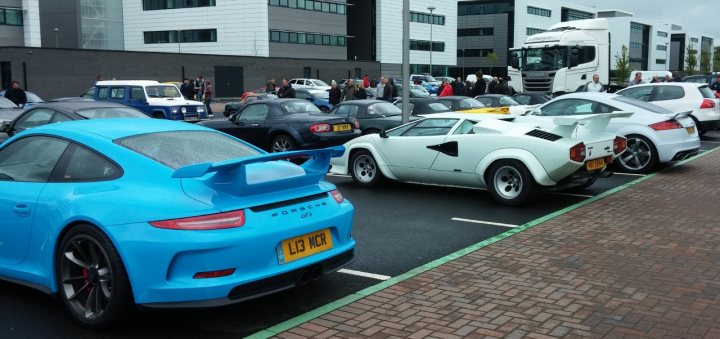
691 130
595 164
341 127
305 245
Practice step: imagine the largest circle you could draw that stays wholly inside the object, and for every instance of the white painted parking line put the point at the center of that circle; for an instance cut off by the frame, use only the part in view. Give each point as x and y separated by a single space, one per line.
339 175
365 274
630 174
484 222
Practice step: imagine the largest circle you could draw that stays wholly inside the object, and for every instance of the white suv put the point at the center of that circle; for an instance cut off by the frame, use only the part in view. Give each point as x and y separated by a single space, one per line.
681 97
309 83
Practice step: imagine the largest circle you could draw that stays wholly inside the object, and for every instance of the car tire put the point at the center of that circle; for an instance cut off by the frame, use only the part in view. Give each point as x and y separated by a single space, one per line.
510 183
640 157
365 170
92 281
282 143
324 109
158 115
697 126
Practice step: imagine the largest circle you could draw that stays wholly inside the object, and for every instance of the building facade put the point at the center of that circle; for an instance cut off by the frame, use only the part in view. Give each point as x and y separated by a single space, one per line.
19 23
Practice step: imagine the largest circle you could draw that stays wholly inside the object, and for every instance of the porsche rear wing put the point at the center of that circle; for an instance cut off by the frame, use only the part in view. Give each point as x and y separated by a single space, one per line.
597 122
232 175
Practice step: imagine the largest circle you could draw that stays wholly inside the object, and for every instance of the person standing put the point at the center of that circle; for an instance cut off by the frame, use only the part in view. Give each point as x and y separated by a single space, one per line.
379 88
208 97
350 91
458 87
366 81
387 90
335 93
594 85
199 90
286 90
361 94
187 90
654 79
716 85
16 94
637 80
479 87
270 86
446 91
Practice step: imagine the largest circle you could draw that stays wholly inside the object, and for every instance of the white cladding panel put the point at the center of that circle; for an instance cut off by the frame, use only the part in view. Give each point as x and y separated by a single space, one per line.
31 23
389 32
242 27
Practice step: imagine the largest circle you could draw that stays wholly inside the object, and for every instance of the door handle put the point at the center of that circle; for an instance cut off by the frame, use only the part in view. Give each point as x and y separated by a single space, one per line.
255 125
22 210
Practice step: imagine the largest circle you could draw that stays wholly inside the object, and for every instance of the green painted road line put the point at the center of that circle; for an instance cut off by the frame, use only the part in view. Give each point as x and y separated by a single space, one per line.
327 308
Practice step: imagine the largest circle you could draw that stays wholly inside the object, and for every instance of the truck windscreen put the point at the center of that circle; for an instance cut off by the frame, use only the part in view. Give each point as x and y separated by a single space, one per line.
544 59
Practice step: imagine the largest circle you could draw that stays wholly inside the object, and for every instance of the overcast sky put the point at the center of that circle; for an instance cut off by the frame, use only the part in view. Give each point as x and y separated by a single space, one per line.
694 15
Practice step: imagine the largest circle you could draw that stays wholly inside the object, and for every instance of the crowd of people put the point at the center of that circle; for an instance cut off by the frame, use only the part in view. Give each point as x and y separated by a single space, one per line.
200 89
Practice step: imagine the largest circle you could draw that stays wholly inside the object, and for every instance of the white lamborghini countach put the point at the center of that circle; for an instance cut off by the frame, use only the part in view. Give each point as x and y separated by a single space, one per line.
512 161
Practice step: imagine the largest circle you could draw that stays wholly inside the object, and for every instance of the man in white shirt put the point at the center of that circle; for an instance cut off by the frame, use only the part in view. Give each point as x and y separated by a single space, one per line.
637 80
594 85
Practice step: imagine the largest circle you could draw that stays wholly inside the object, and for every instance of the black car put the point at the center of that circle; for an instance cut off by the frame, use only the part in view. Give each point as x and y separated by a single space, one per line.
531 98
8 110
496 100
235 106
702 78
286 124
373 115
52 112
419 106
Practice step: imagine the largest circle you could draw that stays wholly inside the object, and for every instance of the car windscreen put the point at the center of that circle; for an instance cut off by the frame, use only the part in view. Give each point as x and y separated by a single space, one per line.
176 149
300 106
162 91
6 103
470 103
642 104
110 112
383 109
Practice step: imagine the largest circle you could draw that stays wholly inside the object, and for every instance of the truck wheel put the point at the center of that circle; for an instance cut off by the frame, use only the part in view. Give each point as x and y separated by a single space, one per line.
510 183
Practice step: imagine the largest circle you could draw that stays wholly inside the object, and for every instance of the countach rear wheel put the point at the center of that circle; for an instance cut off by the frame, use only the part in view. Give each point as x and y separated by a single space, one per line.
364 169
92 280
641 156
510 183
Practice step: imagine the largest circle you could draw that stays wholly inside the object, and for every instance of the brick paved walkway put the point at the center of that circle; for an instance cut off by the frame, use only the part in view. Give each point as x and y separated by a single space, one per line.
641 262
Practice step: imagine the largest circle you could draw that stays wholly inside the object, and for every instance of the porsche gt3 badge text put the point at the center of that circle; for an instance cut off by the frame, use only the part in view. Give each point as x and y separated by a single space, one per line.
304 210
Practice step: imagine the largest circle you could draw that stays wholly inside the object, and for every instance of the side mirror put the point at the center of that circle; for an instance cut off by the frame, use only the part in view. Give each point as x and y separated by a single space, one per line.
383 134
514 60
5 127
574 57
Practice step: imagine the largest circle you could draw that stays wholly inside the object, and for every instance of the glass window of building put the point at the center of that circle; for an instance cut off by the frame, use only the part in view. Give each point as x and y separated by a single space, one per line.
539 11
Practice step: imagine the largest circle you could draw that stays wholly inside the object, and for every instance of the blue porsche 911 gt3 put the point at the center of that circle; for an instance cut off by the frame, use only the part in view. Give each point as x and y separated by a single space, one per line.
112 213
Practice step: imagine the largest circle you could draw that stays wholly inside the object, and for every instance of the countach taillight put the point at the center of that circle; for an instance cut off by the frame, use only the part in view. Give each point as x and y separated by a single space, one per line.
666 125
204 222
337 196
577 152
320 128
619 144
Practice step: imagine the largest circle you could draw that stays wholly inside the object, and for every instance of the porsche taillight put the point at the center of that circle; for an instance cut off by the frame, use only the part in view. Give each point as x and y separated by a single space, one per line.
619 144
204 222
320 128
577 152
666 125
337 196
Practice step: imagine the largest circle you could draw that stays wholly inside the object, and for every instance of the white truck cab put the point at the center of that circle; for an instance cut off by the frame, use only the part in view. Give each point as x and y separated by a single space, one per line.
563 59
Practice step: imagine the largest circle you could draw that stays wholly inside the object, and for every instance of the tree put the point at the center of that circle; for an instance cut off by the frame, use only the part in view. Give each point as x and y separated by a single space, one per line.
705 62
493 57
622 65
716 60
690 59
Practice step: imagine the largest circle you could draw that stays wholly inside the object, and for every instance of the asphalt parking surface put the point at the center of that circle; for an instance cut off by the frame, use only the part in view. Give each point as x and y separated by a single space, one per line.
398 227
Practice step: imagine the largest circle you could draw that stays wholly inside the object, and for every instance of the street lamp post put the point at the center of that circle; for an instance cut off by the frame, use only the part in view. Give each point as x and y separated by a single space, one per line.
431 9
57 41
463 64
667 55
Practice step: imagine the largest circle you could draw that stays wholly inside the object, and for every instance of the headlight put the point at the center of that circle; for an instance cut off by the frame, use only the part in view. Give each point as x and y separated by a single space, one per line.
200 109
183 110
174 110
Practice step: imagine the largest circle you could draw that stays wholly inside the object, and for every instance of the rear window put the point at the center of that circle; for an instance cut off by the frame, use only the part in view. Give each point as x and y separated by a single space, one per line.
642 104
292 107
176 149
110 112
383 108
706 92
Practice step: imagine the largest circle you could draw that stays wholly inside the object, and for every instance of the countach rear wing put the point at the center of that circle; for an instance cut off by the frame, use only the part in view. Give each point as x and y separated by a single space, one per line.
259 173
597 122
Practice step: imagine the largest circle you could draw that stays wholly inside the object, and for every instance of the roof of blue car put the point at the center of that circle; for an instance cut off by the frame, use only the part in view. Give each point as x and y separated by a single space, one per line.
118 128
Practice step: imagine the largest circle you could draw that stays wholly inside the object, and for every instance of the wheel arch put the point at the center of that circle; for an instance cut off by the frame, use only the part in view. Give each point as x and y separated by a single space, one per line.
274 133
382 164
528 160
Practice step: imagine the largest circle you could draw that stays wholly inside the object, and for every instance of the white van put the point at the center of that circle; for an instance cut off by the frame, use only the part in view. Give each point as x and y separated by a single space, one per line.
647 75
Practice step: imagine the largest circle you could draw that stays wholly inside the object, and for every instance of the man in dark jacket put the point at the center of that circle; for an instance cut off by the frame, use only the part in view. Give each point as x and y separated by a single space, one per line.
387 90
16 94
286 90
479 88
